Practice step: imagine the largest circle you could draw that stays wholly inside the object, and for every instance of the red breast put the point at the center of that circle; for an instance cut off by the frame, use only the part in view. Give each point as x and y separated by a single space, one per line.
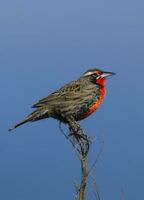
97 103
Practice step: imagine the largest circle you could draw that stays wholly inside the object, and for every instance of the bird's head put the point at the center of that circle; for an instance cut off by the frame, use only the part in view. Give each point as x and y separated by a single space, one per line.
97 76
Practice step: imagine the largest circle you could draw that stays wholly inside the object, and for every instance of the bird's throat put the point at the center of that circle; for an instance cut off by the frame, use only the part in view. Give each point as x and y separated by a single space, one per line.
101 81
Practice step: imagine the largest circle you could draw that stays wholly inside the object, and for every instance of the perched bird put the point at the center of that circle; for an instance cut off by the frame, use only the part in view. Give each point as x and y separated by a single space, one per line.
74 101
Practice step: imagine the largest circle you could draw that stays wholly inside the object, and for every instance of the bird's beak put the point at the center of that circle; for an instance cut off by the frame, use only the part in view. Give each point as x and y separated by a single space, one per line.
106 74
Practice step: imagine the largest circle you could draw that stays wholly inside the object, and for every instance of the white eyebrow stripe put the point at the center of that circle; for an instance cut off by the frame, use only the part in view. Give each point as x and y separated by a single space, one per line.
88 73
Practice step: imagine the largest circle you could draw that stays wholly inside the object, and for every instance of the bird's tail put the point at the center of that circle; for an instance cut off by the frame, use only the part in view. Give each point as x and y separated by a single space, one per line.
34 116
19 124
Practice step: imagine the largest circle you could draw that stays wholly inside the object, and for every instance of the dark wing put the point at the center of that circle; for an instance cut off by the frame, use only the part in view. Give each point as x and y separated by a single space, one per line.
70 98
61 95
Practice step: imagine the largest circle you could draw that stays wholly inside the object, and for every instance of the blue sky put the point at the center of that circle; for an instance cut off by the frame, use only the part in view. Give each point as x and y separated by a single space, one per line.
45 44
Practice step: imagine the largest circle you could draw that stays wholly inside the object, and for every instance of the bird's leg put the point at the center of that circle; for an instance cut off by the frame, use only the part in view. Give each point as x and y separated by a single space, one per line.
74 127
78 136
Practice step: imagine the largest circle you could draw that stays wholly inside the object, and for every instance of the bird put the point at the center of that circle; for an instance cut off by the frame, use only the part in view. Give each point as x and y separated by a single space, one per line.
74 101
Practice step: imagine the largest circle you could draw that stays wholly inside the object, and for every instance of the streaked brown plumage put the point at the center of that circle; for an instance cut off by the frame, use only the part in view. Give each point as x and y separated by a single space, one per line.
76 100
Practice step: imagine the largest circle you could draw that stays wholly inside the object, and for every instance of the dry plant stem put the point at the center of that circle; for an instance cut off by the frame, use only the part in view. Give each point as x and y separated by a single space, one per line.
84 179
81 143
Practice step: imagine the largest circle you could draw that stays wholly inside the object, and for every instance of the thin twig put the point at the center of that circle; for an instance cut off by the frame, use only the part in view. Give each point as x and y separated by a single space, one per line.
95 186
97 158
81 143
84 178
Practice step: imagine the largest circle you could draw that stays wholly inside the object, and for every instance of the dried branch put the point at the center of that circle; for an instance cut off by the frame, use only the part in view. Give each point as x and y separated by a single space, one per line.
81 143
